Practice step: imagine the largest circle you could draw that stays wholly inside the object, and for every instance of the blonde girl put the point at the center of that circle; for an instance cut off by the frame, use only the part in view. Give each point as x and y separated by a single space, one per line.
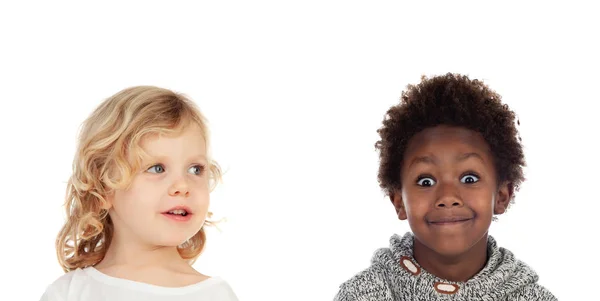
137 203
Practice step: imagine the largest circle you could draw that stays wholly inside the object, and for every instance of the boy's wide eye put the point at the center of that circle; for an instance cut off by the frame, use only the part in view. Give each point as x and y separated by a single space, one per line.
426 181
196 169
156 169
469 179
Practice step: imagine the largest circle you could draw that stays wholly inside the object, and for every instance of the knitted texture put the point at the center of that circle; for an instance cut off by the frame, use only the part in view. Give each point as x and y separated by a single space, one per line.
395 275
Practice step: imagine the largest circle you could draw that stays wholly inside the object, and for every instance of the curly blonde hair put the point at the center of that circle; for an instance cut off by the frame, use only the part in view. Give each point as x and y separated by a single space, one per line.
108 155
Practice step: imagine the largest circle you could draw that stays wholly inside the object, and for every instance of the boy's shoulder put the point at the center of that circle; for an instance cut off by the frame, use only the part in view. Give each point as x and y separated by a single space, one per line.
534 291
369 284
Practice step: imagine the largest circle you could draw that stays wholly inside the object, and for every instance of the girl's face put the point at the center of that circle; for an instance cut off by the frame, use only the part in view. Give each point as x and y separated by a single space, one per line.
168 199
449 190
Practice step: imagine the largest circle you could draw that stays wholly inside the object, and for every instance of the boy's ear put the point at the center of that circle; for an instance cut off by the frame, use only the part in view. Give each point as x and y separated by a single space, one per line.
396 198
503 197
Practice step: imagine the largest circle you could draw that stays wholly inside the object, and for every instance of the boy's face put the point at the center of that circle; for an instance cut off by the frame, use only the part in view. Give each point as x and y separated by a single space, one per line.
449 190
174 175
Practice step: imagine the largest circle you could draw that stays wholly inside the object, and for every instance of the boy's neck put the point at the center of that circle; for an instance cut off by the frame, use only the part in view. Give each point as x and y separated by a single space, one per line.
458 268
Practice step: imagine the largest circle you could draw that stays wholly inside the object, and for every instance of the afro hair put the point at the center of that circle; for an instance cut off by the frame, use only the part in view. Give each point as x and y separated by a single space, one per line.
453 100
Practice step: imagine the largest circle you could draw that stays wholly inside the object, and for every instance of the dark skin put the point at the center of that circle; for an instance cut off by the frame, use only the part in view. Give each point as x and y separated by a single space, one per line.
449 194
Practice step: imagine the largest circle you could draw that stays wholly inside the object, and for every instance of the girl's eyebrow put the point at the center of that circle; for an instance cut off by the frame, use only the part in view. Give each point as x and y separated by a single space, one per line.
198 158
194 158
154 158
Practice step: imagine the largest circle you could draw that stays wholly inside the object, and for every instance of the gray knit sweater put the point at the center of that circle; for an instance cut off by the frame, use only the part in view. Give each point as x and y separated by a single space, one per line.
394 275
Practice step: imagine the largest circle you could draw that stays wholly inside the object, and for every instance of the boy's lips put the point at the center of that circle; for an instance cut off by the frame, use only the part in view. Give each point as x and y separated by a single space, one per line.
448 219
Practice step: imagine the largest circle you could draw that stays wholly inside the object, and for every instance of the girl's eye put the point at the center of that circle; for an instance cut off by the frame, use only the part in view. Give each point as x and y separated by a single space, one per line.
156 169
196 169
469 179
426 181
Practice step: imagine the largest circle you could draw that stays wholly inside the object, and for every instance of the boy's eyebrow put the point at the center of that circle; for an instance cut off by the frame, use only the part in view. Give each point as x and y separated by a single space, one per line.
423 159
433 160
466 156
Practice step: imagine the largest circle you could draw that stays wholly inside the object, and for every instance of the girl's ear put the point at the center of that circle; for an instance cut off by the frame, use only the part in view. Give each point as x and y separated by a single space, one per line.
108 201
503 197
396 198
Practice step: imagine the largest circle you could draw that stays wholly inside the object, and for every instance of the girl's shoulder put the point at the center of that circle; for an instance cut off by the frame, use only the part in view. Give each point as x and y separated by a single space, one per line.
59 288
92 285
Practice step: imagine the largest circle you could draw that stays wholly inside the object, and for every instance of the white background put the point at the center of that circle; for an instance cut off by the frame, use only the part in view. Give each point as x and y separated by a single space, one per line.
294 93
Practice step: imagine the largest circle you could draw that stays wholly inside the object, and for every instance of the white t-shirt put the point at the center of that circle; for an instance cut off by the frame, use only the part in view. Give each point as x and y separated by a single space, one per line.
89 284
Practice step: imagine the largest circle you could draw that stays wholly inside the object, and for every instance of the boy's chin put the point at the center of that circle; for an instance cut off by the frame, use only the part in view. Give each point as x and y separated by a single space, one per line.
449 247
453 251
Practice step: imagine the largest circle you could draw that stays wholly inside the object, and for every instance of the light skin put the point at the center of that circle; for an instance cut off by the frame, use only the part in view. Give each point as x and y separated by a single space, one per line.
449 194
144 245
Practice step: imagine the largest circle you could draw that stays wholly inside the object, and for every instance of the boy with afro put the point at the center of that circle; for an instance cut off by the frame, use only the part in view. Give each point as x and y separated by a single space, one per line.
450 159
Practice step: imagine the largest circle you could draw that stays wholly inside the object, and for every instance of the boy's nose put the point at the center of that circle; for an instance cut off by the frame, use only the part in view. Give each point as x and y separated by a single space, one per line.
448 197
447 202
